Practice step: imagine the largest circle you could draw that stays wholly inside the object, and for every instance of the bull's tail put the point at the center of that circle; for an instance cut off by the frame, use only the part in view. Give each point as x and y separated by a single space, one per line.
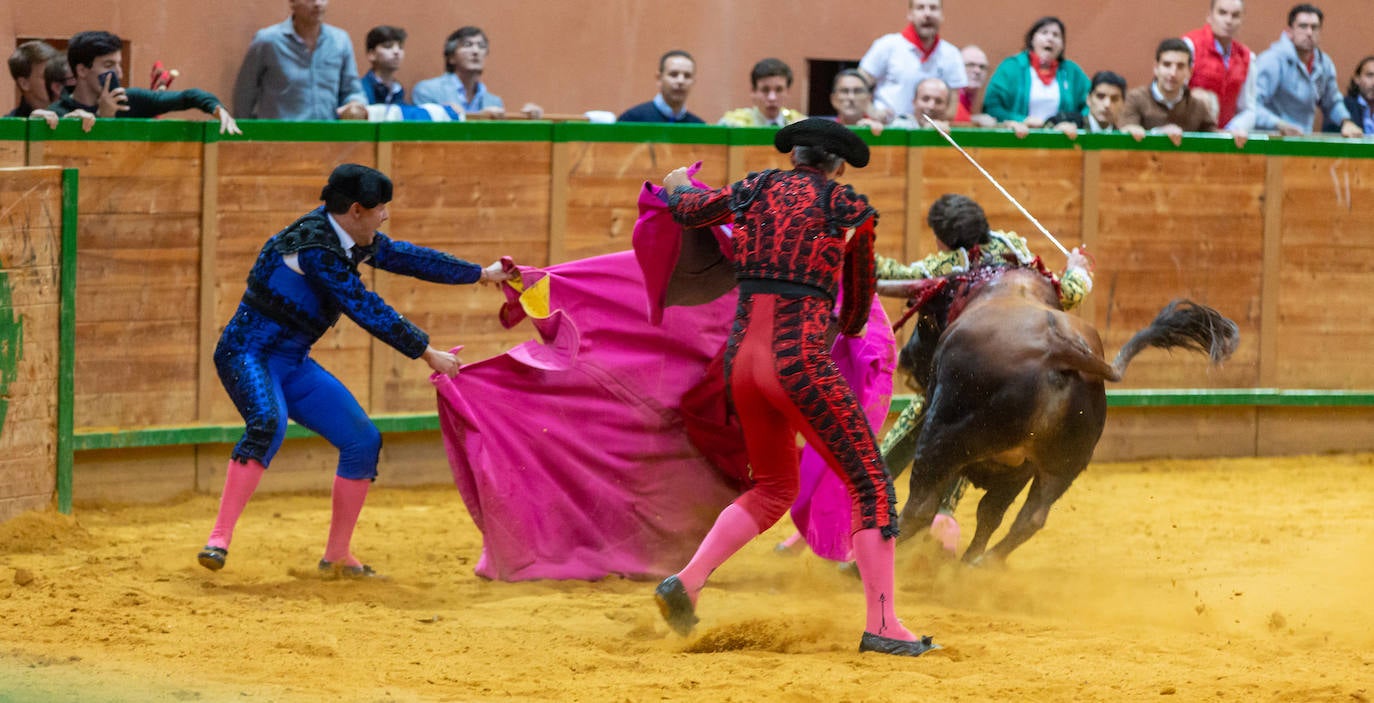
1183 324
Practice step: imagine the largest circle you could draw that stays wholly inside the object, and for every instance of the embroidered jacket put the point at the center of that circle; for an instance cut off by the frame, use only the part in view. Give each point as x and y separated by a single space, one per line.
794 226
310 302
1074 285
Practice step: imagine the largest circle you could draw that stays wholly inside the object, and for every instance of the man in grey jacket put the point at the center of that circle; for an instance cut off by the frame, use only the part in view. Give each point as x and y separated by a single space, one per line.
1293 77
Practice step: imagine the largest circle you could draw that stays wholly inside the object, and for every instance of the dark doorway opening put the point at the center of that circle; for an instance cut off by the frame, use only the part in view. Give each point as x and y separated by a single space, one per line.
820 75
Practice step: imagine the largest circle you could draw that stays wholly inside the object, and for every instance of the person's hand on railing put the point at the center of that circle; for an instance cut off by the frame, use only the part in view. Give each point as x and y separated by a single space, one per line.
352 111
227 125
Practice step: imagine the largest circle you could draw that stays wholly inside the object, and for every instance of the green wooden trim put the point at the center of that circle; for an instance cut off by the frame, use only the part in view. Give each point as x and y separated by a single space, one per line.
66 357
86 440
14 129
1193 143
92 439
988 138
641 132
1212 397
1326 147
119 130
475 131
282 131
1268 397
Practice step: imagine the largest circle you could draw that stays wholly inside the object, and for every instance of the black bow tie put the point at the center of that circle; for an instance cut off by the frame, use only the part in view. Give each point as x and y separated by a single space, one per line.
357 254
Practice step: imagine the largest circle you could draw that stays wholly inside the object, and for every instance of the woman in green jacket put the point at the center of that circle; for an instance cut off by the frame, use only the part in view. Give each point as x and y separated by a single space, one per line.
1037 83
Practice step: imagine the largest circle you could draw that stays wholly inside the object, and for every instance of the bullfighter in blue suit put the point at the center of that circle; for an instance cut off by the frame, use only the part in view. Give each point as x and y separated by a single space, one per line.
304 278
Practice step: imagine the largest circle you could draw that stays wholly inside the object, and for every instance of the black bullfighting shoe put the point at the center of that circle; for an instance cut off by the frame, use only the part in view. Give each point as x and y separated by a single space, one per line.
676 606
902 648
212 558
332 570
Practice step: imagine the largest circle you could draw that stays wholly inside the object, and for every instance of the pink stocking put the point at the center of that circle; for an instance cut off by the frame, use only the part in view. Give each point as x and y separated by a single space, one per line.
733 529
349 494
876 557
240 481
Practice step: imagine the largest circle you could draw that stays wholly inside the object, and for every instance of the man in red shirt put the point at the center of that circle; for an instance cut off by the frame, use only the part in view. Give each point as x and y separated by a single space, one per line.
1221 64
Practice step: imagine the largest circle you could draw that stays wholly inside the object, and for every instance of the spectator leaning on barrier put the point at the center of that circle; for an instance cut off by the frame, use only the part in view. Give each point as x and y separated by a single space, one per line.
465 59
1359 96
895 63
94 58
970 107
1166 106
1222 65
1032 86
1293 77
852 99
1103 113
769 84
932 100
27 64
300 69
386 49
677 72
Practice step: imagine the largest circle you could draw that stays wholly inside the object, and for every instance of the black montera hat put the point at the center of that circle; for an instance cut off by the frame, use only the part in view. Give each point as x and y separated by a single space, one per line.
822 133
359 184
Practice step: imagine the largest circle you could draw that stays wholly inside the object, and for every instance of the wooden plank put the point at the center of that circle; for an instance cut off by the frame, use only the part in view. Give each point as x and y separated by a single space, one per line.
497 205
1269 276
1133 434
1092 186
1179 225
1286 431
149 475
914 227
1325 249
207 378
603 187
560 171
140 205
30 315
13 152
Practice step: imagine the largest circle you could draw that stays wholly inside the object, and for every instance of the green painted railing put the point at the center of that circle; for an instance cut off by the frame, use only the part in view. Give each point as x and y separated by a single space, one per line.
13 129
94 439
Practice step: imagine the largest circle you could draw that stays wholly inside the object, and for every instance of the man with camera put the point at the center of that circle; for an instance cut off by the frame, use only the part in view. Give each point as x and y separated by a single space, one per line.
95 61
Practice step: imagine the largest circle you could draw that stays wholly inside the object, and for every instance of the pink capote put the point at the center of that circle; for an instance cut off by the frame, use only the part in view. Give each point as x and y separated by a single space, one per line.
823 512
571 451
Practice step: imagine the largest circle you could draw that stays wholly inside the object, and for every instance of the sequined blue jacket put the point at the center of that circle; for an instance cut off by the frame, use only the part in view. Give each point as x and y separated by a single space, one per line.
307 304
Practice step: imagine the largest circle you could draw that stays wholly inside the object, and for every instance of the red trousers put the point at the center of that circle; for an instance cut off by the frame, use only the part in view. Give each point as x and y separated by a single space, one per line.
781 382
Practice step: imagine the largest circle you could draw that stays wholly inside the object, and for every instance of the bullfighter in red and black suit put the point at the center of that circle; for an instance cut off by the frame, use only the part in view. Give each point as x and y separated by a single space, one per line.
798 235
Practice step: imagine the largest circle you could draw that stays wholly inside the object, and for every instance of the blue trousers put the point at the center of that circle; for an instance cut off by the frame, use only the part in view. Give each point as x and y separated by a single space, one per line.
271 378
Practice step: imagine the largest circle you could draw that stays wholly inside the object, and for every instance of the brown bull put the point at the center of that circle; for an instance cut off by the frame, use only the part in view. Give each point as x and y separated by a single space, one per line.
1015 390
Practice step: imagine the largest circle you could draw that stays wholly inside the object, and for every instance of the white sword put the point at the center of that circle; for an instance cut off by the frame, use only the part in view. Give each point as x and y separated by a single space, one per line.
996 185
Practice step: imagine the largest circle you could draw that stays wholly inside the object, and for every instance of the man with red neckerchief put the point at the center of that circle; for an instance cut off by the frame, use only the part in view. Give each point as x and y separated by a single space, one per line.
895 63
1221 64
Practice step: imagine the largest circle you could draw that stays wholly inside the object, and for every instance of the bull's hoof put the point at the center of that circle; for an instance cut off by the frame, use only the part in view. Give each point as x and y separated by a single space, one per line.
902 648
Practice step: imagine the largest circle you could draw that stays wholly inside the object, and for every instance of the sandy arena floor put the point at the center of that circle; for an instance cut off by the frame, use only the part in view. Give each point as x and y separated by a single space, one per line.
1234 580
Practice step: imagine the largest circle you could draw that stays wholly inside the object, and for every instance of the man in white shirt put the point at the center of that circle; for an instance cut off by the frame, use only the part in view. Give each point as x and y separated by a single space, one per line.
895 63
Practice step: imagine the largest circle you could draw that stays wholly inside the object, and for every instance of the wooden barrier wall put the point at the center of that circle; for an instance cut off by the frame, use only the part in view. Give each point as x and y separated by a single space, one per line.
33 433
172 216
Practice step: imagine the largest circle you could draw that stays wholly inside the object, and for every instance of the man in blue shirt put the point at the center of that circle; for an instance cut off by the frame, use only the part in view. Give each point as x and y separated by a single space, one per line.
301 69
465 58
677 72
